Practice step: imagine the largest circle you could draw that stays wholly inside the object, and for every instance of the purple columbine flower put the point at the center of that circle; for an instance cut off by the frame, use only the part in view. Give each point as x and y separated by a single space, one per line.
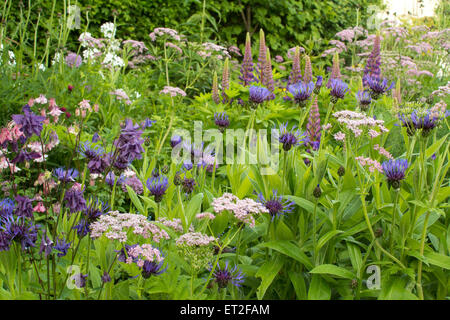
80 280
364 99
147 123
152 268
62 246
95 138
222 121
378 86
338 89
30 122
226 275
258 94
301 92
24 207
175 140
6 207
19 230
129 143
63 175
394 171
157 187
276 205
318 85
46 245
74 199
110 179
291 138
23 156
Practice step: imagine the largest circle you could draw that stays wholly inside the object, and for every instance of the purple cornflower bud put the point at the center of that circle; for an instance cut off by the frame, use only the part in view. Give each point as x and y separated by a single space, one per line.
221 120
258 94
188 185
318 85
364 99
247 76
394 171
226 275
157 187
338 89
63 175
24 207
301 92
296 73
277 205
291 138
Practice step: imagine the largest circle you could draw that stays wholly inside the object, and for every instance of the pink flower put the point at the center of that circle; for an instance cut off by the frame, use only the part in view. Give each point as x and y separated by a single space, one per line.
39 207
41 100
340 136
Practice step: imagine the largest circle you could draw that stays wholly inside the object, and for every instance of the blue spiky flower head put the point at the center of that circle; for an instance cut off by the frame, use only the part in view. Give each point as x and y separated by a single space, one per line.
277 205
290 138
394 170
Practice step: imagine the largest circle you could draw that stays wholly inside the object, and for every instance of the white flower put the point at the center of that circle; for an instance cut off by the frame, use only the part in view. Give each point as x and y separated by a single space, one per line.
108 29
113 60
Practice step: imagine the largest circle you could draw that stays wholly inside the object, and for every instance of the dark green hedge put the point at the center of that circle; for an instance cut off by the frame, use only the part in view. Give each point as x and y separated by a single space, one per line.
286 22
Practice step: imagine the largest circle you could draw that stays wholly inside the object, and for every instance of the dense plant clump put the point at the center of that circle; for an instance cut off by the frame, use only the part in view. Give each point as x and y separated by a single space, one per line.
171 167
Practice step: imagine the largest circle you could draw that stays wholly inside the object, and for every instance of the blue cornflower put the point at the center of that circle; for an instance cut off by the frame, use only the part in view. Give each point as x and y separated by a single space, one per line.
152 268
147 123
62 246
276 205
378 86
88 151
301 91
394 171
226 275
63 175
157 187
258 94
175 140
364 99
338 89
291 138
221 120
94 209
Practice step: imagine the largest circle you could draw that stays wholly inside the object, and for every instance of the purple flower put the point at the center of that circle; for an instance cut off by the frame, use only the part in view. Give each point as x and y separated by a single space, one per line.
129 143
221 120
94 209
24 207
19 230
313 127
6 208
106 277
417 120
157 187
291 138
30 122
122 256
46 245
394 171
151 268
72 59
23 156
301 91
75 200
318 86
62 246
259 94
147 123
276 205
378 86
247 76
226 275
69 175
87 151
188 185
95 138
364 99
338 89
110 179
187 165
175 140
372 69
80 280
134 183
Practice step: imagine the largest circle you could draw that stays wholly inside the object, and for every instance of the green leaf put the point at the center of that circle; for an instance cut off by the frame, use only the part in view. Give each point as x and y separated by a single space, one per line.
134 198
298 281
193 207
438 259
267 273
291 250
435 146
326 237
333 270
319 289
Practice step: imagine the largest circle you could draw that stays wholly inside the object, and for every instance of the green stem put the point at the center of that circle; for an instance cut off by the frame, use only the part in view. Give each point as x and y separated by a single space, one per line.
394 214
315 253
419 266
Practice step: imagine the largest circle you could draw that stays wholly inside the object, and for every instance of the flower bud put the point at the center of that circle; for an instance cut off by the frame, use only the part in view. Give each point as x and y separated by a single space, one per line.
317 192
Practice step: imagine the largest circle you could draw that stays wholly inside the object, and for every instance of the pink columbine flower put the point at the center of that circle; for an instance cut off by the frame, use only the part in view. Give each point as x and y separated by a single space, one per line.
39 207
41 100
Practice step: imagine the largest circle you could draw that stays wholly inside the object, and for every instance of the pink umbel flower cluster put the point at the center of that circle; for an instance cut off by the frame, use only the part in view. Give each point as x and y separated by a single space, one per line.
372 164
243 210
383 151
205 215
174 46
439 110
174 224
159 32
358 122
142 253
340 136
442 91
138 46
351 34
115 226
121 95
173 91
195 239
